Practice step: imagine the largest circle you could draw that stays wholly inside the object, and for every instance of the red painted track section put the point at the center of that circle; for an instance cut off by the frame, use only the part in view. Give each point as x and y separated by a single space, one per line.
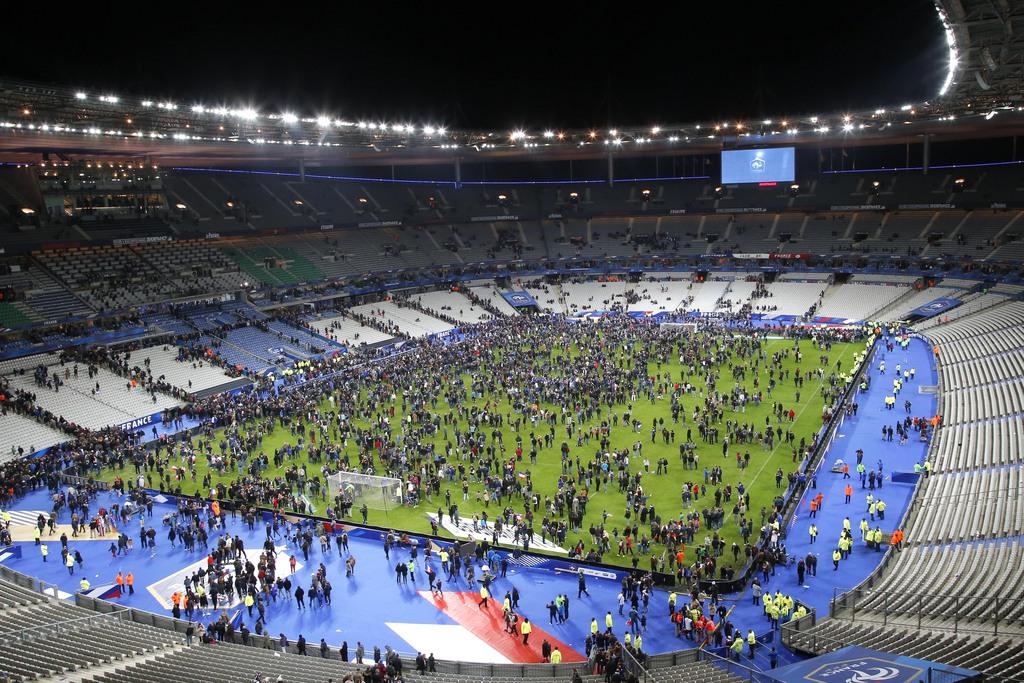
488 624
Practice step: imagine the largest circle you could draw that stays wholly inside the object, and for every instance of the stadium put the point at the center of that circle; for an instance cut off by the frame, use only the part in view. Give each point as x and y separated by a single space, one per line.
297 395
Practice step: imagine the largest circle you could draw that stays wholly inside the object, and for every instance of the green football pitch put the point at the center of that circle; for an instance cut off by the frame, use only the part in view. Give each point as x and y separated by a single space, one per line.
664 490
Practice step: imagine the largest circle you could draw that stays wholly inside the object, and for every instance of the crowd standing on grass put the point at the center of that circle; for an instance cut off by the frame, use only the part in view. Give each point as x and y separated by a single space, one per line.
562 388
557 403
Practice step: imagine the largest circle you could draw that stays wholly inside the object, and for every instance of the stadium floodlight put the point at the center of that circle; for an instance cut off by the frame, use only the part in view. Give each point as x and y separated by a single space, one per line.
247 114
323 121
617 141
382 126
792 131
289 118
988 116
767 122
428 130
814 119
27 211
549 134
673 138
110 99
397 127
198 109
655 130
180 206
518 134
954 51
847 127
613 132
169 106
80 96
906 107
441 130
846 118
362 124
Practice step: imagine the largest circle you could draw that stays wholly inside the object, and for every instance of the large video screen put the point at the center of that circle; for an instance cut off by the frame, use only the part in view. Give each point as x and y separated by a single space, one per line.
774 165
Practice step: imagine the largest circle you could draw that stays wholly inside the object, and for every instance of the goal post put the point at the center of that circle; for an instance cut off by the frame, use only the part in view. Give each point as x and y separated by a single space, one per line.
357 489
688 327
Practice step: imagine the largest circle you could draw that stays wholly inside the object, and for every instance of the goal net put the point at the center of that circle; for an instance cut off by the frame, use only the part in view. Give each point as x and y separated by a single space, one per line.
690 328
356 490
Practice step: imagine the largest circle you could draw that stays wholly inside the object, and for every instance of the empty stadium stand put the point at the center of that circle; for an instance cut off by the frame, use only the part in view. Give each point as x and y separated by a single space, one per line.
90 402
405 321
953 594
42 637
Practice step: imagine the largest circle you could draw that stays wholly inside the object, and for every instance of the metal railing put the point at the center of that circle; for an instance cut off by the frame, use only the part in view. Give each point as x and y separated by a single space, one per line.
31 583
980 614
44 631
632 664
789 630
83 482
734 667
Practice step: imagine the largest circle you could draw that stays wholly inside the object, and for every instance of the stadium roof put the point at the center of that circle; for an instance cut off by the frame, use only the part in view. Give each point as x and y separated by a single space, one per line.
986 44
981 97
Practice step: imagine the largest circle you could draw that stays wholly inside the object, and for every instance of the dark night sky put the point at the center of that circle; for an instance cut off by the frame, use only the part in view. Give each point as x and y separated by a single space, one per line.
484 65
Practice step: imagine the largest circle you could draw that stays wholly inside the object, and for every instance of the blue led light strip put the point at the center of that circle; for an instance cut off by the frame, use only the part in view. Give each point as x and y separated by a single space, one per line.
937 167
293 174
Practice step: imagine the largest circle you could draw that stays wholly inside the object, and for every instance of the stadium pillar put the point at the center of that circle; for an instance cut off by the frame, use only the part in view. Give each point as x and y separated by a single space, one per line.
926 153
302 170
611 170
458 172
